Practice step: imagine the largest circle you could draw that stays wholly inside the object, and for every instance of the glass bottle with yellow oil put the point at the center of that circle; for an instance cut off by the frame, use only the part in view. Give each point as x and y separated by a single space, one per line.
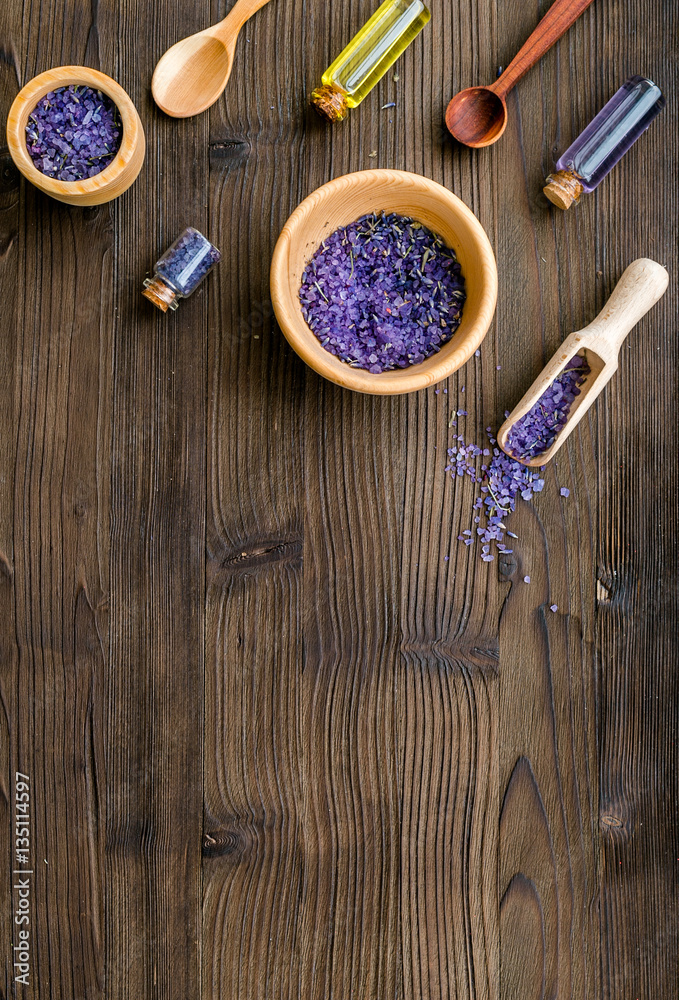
368 56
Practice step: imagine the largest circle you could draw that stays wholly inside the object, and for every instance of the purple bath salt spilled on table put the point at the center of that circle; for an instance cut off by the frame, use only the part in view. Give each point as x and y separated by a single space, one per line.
534 433
382 293
501 481
73 133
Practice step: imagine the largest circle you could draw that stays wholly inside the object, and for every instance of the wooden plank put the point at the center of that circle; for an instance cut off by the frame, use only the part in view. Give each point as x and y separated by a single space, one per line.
62 406
350 707
354 469
10 43
450 601
637 554
254 870
549 877
155 709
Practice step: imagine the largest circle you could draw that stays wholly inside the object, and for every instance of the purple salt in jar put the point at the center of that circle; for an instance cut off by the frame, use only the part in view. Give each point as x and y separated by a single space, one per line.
181 269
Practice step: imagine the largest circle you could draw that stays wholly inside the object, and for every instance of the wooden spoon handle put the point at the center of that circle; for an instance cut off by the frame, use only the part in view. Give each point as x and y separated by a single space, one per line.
241 12
642 284
554 24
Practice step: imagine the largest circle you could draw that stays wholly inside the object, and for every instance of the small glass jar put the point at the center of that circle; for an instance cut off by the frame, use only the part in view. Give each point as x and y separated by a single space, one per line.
181 269
605 141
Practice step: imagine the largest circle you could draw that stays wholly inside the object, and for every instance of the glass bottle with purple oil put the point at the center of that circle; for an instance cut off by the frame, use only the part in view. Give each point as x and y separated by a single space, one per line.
181 269
605 141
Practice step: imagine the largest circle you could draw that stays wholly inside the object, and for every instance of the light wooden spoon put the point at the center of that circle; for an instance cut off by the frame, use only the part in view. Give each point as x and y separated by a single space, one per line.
193 73
642 284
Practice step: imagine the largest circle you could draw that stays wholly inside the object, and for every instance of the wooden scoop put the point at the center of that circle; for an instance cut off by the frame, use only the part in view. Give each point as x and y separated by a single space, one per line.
640 287
193 73
477 116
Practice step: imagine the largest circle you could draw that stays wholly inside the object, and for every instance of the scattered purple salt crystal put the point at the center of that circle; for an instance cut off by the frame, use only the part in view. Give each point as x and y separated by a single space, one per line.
499 483
382 293
565 492
477 354
554 607
73 133
535 432
526 579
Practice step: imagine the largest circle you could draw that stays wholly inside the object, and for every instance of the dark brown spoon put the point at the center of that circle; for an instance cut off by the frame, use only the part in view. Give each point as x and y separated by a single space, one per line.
477 116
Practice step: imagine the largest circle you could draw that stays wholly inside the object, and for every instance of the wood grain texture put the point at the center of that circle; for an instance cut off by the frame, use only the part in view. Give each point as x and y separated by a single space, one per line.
60 505
637 621
154 724
254 869
10 224
287 738
549 875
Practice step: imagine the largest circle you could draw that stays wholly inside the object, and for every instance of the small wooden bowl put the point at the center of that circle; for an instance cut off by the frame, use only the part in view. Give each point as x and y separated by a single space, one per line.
346 199
113 179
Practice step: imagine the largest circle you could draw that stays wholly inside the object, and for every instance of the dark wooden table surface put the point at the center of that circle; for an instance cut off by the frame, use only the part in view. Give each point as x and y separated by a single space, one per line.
278 746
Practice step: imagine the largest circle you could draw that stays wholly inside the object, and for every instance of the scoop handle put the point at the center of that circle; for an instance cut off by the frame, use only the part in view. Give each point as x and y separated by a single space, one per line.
642 284
237 16
554 24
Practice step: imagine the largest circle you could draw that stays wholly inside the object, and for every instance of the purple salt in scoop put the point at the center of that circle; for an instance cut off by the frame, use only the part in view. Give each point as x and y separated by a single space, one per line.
534 433
383 292
73 133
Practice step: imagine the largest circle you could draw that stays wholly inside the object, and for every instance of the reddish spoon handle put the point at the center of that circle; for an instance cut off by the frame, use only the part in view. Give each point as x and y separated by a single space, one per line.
556 22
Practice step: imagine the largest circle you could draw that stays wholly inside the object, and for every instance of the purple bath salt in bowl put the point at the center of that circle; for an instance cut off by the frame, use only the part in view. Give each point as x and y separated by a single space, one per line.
73 133
383 292
537 430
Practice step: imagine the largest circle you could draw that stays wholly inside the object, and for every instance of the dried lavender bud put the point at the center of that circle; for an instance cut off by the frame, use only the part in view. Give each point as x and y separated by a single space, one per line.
382 293
538 429
187 261
73 133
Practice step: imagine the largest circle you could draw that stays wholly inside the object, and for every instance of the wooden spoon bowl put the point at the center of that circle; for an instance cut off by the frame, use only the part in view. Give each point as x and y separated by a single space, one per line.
347 199
477 116
193 73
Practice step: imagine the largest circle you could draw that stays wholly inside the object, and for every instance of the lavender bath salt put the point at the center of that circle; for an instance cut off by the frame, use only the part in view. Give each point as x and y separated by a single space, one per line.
501 480
73 133
537 430
382 293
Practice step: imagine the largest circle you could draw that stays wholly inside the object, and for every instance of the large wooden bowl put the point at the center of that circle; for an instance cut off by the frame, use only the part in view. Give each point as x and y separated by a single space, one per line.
113 179
346 199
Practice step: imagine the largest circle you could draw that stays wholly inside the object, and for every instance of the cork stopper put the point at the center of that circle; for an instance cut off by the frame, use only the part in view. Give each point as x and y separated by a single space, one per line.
159 292
563 188
330 102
